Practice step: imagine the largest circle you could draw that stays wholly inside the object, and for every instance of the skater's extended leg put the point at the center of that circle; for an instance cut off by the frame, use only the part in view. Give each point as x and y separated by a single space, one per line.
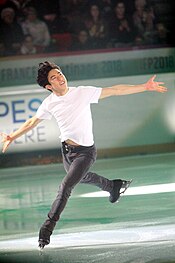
98 180
114 187
78 168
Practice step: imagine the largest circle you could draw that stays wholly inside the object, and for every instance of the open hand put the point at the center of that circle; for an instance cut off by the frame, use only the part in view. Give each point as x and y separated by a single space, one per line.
154 85
6 140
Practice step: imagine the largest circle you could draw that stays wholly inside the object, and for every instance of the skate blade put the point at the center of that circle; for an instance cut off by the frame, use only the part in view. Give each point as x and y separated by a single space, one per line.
126 186
41 250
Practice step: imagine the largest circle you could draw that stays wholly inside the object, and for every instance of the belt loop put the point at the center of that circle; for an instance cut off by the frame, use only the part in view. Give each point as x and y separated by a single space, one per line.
65 147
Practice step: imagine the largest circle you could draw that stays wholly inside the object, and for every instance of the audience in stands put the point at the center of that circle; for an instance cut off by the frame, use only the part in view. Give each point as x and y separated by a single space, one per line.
106 8
96 27
74 12
162 35
11 33
143 19
57 24
49 12
28 47
122 31
29 27
81 41
37 28
19 6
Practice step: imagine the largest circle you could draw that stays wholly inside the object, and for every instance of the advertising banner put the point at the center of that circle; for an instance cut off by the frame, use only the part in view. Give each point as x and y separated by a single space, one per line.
15 109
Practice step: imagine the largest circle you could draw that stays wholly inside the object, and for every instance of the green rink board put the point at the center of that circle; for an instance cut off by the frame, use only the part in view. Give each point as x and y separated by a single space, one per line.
18 71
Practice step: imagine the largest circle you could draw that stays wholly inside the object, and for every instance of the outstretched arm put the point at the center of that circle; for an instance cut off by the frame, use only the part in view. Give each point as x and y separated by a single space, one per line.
123 89
27 126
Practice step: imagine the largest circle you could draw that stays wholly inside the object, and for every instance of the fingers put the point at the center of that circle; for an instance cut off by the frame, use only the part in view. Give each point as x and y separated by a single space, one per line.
4 137
156 82
152 85
4 149
6 140
161 89
160 83
5 146
153 78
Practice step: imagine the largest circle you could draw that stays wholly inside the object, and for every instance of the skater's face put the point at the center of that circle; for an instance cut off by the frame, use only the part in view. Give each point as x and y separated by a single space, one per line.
58 82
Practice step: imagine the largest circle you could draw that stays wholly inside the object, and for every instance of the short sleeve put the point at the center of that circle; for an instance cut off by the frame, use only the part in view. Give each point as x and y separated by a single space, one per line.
91 93
42 113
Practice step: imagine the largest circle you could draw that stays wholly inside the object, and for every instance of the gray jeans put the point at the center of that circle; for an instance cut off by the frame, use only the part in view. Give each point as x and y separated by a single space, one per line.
77 161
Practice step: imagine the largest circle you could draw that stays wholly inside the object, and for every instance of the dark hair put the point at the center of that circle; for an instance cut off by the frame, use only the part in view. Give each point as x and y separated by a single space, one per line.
43 71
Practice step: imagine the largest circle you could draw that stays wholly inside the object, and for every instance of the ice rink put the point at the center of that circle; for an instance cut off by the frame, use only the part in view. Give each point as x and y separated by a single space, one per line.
139 229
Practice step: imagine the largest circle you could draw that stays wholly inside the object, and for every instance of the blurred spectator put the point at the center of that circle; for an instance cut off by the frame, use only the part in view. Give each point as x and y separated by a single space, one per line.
19 6
106 7
53 25
122 29
138 42
28 47
73 11
82 41
56 24
143 19
37 29
10 31
161 34
49 12
96 27
139 15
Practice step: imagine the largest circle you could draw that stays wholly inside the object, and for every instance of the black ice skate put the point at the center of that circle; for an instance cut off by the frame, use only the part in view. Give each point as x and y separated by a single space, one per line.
119 187
41 246
44 238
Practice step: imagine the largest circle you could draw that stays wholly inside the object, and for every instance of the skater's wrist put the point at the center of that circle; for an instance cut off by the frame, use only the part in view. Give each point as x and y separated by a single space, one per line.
10 138
146 87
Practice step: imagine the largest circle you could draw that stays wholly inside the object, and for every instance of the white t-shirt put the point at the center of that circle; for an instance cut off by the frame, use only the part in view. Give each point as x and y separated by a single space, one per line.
72 113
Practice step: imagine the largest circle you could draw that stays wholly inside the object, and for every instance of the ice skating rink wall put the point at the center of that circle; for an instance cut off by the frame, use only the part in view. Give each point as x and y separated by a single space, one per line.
139 123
